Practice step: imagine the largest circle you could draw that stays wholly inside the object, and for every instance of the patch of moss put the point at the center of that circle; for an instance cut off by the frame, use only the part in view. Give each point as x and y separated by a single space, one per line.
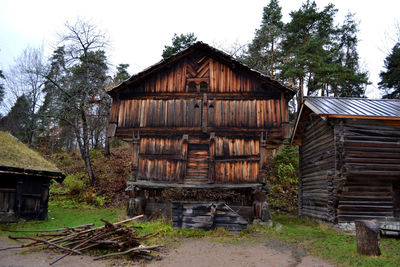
16 154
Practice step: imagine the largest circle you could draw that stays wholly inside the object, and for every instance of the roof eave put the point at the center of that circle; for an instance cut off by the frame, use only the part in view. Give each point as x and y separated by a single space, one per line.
56 175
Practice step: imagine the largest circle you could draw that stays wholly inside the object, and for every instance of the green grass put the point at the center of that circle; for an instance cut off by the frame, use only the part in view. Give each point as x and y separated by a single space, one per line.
322 241
317 239
14 153
60 218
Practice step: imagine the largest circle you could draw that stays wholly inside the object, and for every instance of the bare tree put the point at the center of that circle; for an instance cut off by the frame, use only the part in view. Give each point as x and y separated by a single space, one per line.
82 59
25 78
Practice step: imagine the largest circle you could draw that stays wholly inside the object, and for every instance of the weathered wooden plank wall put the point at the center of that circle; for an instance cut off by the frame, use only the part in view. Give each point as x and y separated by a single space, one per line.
162 159
236 160
224 79
245 113
199 96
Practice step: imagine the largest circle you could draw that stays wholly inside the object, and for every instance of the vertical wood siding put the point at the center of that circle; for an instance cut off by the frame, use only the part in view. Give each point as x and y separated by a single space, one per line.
244 113
236 160
196 96
160 113
224 79
161 159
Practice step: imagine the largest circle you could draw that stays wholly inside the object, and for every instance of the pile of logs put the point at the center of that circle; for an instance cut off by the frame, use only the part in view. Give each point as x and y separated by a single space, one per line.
118 238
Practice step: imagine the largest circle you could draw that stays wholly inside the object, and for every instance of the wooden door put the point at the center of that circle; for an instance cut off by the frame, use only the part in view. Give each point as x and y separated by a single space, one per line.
197 164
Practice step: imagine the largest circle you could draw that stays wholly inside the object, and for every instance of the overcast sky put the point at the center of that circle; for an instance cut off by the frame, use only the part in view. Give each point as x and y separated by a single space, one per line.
138 30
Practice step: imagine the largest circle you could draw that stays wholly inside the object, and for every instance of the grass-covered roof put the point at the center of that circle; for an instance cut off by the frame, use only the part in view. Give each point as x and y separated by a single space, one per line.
16 154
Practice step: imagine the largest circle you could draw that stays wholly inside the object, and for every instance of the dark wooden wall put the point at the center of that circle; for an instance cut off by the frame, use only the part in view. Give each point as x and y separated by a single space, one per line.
349 169
317 170
27 198
371 165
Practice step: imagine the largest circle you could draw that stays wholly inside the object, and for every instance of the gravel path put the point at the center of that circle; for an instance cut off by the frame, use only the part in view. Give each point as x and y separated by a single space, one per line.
199 253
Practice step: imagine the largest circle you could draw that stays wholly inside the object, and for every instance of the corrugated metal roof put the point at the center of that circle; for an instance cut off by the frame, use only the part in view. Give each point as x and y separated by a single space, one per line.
357 107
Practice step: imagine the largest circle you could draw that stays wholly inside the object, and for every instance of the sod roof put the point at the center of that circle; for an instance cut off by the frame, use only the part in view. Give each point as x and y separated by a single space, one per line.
13 153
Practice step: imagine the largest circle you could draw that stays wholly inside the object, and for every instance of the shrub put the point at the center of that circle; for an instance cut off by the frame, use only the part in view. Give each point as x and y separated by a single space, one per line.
74 192
95 154
283 179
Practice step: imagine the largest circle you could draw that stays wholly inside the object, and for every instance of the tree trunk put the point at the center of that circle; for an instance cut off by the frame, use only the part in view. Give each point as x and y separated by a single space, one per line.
83 143
107 140
367 238
301 93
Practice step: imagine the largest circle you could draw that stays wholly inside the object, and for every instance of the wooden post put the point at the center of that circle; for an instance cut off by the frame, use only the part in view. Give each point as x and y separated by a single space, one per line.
211 161
367 238
204 114
263 158
44 201
18 192
135 153
185 139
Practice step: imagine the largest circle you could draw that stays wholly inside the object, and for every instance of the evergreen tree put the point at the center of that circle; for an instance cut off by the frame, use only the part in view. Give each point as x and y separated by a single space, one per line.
17 121
346 79
122 74
262 53
2 93
308 38
390 79
179 42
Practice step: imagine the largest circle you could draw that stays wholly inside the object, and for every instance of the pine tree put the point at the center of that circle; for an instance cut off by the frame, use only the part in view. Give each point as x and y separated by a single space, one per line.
17 121
307 37
179 42
262 53
2 93
122 74
390 79
347 80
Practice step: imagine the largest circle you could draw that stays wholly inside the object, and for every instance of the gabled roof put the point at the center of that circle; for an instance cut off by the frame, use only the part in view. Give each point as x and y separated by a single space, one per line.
349 108
200 46
17 158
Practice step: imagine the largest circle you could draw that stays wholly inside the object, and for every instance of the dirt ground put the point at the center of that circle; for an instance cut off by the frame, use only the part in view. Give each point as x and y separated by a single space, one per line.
199 253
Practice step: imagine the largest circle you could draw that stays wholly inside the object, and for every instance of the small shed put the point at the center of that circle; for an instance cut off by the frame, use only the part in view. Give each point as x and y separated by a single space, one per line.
24 181
349 158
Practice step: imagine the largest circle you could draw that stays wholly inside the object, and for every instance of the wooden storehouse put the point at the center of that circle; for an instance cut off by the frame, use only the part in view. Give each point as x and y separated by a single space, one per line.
24 181
200 119
349 158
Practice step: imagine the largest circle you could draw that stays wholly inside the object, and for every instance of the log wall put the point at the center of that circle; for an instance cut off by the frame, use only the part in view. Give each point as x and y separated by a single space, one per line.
317 168
371 165
349 170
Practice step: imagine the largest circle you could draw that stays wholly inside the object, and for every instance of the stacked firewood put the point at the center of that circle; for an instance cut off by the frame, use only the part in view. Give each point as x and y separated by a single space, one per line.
119 238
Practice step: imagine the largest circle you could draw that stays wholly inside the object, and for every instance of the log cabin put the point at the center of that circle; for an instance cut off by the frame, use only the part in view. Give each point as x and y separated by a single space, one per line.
24 181
200 120
349 159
